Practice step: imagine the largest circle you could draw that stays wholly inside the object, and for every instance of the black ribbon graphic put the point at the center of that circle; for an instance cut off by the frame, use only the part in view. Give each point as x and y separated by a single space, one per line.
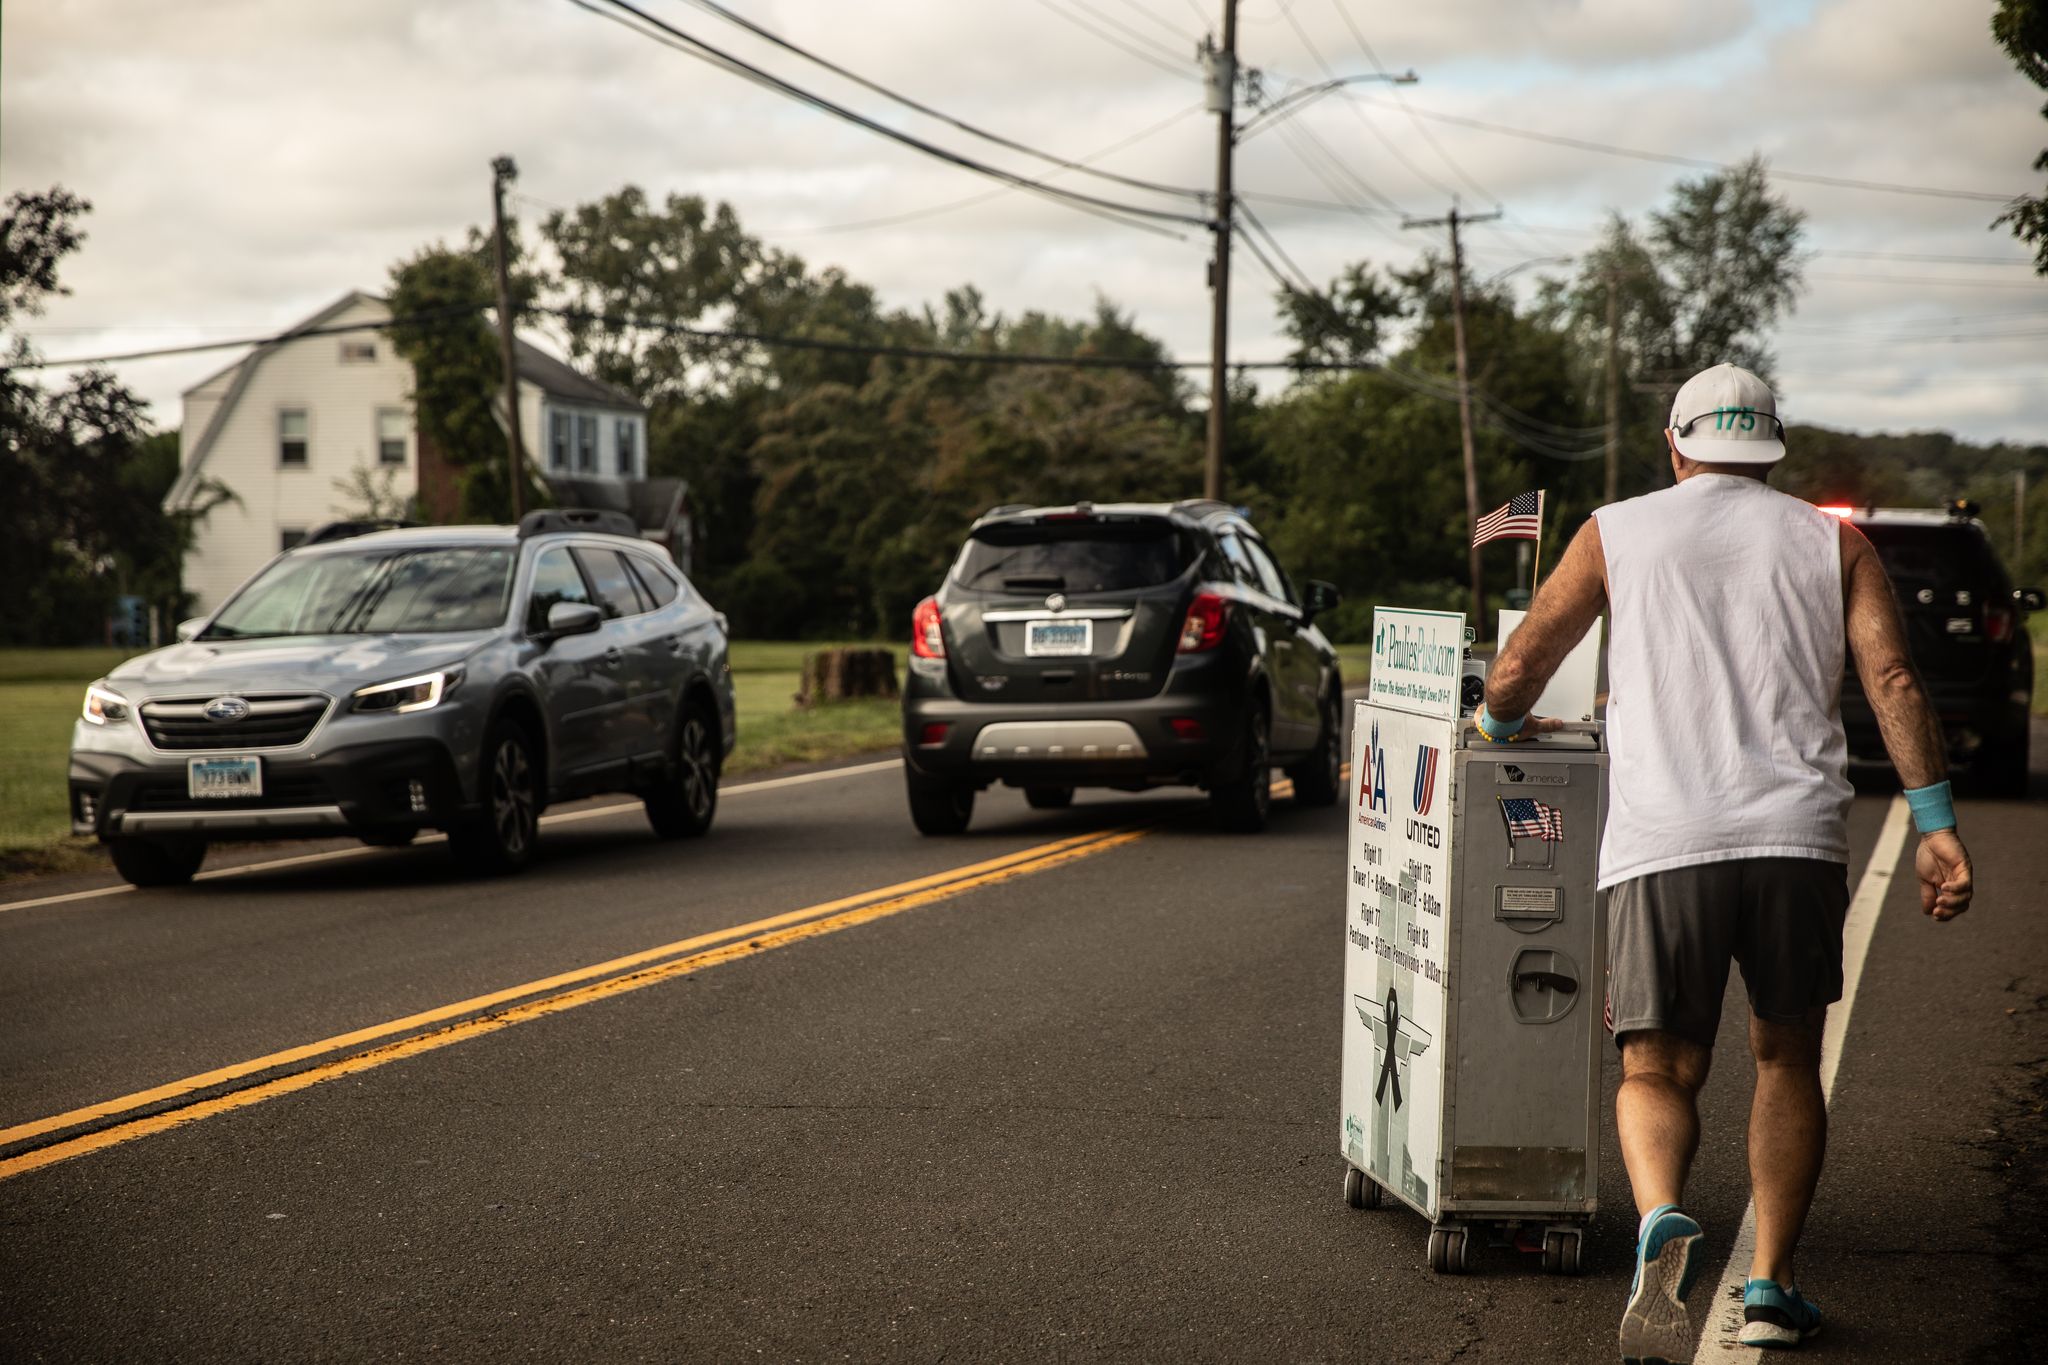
1388 1076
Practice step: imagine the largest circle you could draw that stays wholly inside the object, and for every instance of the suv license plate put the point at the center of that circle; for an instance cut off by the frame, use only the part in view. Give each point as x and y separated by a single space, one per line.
1054 638
223 779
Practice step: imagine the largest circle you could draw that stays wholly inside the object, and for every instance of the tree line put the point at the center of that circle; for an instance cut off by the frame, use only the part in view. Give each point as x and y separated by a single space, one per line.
832 480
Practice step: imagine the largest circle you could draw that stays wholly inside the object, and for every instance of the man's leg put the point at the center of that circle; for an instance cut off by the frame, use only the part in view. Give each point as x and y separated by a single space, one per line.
1788 1135
1657 1112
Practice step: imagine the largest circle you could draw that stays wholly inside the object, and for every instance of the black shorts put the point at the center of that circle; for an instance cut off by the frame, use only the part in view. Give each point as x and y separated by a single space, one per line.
1671 936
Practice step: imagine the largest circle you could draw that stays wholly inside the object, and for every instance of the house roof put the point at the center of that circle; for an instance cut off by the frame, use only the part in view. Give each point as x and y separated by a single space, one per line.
552 376
244 370
536 367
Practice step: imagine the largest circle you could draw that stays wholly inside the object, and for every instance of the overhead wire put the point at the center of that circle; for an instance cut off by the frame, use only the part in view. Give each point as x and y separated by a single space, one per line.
1130 215
933 210
1149 53
1162 21
770 36
1674 159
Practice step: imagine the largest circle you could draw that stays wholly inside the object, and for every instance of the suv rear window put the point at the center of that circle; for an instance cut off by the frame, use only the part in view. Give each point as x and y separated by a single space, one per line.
1947 559
1073 556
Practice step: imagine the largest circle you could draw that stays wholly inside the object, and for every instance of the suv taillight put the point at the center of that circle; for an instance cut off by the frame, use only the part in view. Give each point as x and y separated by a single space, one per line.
1998 624
925 640
1203 629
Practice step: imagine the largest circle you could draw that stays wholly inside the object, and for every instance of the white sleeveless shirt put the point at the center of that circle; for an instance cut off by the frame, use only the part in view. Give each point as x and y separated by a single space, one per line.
1724 669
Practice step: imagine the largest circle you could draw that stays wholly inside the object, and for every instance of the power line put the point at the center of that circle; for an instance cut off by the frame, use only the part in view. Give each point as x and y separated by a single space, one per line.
767 35
1358 36
1673 159
1149 54
1162 21
1330 73
431 315
668 35
911 215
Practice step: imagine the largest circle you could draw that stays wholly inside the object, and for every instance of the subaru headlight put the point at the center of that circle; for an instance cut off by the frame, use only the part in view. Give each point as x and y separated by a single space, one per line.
102 706
420 693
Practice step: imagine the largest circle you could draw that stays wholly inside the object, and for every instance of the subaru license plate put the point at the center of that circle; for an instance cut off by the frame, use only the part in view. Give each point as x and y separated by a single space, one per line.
1054 638
223 779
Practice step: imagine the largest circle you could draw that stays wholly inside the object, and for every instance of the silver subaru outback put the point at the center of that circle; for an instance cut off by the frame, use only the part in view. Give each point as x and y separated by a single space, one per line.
458 678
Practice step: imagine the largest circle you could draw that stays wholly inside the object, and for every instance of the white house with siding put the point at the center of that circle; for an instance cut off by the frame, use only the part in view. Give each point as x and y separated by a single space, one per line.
287 426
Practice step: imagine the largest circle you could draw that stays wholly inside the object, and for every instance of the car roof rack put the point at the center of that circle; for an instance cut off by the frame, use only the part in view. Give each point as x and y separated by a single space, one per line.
557 519
348 530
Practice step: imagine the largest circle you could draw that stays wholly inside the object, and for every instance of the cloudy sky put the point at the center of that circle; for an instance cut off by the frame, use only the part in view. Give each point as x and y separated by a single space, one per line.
248 161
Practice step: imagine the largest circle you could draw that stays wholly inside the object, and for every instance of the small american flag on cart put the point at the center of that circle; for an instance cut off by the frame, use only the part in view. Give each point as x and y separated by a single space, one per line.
1520 519
1527 819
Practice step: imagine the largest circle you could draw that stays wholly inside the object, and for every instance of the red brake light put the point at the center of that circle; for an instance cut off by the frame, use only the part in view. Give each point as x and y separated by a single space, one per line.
1998 624
1203 630
934 732
1843 512
925 640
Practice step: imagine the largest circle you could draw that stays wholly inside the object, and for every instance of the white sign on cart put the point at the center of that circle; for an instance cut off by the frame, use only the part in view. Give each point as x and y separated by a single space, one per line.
1395 988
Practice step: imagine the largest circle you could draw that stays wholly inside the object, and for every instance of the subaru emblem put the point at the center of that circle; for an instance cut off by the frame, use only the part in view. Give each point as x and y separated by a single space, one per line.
226 709
1056 602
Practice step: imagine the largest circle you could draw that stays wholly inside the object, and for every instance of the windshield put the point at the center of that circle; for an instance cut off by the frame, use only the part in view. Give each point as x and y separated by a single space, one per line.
1072 556
1945 559
371 592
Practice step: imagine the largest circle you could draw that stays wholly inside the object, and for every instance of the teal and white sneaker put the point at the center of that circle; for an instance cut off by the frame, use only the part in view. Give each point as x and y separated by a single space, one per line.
1655 1329
1775 1316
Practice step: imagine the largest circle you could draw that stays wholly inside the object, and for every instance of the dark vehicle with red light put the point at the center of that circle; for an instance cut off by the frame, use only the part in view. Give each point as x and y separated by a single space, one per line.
1967 628
1127 645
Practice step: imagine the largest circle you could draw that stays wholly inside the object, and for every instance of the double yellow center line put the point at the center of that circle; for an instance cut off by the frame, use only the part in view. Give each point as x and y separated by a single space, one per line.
176 1103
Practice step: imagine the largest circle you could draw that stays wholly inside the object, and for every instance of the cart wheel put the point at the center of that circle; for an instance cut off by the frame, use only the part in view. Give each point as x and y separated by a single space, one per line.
1553 1253
1354 1187
1447 1251
1373 1194
1575 1253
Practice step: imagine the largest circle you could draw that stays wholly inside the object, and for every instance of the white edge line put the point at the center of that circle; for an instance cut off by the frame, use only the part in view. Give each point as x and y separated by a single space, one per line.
1718 1345
565 817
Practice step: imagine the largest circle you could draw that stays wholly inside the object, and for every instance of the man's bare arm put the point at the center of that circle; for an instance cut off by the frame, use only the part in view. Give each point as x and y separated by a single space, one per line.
1568 603
1877 640
1911 730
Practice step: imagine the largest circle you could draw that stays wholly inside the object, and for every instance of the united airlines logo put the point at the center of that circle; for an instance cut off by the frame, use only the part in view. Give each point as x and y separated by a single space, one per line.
1424 793
1425 777
1372 783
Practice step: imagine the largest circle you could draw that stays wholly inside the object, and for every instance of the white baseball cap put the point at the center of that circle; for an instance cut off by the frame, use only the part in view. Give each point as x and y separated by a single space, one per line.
1726 415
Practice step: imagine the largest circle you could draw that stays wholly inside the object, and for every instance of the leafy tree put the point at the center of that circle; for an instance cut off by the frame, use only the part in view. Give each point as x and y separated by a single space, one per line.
2021 28
372 494
1730 251
458 370
1342 325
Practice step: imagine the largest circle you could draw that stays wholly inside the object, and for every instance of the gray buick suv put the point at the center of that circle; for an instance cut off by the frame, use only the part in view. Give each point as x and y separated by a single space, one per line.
456 678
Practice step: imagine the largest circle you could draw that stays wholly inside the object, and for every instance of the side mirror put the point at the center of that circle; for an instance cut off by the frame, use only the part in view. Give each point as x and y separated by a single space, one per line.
1318 597
573 618
2030 599
189 627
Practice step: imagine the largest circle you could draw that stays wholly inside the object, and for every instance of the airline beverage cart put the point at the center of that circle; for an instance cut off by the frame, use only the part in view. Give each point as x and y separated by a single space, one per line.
1475 960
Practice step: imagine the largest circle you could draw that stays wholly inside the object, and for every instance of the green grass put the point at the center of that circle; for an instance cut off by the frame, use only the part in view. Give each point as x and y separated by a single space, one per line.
40 691
2037 626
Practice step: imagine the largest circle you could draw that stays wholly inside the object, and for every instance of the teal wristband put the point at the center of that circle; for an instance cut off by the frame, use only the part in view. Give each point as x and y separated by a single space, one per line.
1498 730
1934 807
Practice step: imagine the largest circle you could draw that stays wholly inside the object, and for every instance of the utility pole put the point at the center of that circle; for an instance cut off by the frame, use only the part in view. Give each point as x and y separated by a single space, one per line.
503 173
1464 393
1613 387
2019 517
1222 102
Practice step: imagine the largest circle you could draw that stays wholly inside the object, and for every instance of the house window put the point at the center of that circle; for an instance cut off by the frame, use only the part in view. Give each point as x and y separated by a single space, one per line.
291 537
391 436
627 450
558 441
291 437
358 352
586 443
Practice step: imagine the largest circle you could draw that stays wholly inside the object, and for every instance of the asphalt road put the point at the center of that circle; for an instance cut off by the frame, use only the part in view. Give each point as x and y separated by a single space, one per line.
1078 1101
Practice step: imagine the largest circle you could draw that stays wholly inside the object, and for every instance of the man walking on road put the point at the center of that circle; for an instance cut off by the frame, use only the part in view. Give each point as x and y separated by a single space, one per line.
1727 838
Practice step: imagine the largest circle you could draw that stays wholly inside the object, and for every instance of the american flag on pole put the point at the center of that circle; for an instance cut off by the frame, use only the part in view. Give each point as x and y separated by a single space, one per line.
1527 819
1520 519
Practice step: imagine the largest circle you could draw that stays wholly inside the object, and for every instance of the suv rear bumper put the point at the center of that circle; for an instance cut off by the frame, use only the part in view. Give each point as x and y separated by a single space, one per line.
1078 743
362 787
